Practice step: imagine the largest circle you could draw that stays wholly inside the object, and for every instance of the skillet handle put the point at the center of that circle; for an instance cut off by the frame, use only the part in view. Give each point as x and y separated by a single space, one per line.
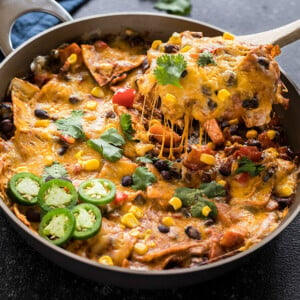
12 9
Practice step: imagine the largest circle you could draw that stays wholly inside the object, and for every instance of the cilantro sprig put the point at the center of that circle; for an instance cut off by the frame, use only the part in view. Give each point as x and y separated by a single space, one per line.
177 7
142 177
126 125
56 170
247 165
196 198
206 58
169 69
72 126
108 144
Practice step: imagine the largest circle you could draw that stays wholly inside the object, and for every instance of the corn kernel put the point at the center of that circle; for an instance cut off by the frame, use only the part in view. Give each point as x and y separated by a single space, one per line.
22 169
136 233
169 99
175 38
221 182
129 220
207 159
91 164
168 221
175 202
233 122
72 59
185 49
223 94
284 190
205 211
140 248
42 123
155 44
271 134
251 134
151 244
228 36
136 211
211 145
91 105
90 117
78 155
48 161
272 152
106 260
97 92
228 144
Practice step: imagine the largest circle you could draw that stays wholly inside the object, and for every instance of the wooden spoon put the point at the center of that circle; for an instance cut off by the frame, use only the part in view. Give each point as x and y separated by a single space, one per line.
281 36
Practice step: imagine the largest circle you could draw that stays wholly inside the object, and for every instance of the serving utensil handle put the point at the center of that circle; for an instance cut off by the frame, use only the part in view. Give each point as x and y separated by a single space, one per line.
281 36
13 9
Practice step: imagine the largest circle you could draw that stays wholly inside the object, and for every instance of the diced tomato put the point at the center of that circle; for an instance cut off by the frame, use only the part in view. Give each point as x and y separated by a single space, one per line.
124 96
249 151
120 198
100 45
67 138
242 178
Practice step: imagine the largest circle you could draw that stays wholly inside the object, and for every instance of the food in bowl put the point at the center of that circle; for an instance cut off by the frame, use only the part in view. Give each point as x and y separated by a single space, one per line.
149 157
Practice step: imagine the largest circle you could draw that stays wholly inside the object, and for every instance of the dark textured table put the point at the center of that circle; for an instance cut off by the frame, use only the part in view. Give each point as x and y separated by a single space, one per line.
271 273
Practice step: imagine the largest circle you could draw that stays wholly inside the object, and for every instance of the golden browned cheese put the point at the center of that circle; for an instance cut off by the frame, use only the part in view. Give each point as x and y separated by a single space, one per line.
163 236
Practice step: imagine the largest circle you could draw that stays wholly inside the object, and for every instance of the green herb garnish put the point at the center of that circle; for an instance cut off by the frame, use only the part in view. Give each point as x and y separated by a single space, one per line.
108 144
212 189
126 125
169 69
56 170
177 7
142 177
247 165
196 209
206 58
72 126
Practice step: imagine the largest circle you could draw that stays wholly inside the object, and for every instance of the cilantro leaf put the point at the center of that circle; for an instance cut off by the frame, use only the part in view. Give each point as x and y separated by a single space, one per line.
177 7
126 125
169 69
187 195
142 177
212 189
247 165
196 209
206 58
108 144
144 159
56 170
72 126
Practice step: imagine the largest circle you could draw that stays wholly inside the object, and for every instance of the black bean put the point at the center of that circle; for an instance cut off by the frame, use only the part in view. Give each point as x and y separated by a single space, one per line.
139 200
41 114
74 99
209 222
230 78
284 201
250 103
184 73
224 124
225 168
6 125
161 165
197 35
6 110
127 180
185 212
205 177
211 104
145 64
166 175
263 62
233 129
268 174
163 228
170 48
206 90
175 173
33 215
110 114
253 142
63 149
192 233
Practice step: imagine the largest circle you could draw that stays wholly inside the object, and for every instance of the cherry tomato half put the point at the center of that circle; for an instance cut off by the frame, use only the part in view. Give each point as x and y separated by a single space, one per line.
120 198
242 178
124 96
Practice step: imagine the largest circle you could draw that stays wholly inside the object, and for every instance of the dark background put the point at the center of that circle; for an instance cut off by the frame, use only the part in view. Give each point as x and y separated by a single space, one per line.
272 273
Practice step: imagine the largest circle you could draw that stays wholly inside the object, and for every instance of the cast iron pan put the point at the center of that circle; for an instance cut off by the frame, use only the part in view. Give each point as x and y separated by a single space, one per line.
159 27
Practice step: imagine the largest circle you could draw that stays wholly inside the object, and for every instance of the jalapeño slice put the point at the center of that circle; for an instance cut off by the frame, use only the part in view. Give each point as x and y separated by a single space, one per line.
57 226
24 188
57 193
88 221
97 191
